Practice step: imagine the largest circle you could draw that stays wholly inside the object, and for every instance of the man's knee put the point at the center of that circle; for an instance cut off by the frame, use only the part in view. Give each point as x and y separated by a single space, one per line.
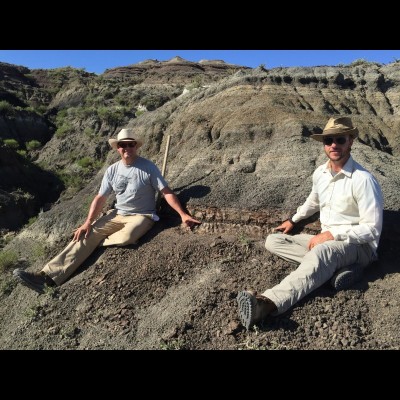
272 240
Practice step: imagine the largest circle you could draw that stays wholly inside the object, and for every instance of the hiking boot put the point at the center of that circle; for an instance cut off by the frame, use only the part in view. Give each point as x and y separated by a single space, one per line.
347 276
253 308
33 280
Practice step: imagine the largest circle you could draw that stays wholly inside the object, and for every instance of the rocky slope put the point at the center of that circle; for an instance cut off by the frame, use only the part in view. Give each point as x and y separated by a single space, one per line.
241 159
61 118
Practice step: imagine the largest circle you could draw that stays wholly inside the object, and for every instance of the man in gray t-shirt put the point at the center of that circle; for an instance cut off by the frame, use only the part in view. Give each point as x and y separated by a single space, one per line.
134 184
135 181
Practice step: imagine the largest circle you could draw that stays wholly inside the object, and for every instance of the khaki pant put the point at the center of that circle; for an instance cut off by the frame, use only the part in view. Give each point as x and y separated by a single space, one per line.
109 230
315 266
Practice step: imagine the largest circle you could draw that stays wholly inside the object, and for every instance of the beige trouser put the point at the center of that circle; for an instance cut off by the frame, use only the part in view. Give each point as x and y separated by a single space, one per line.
316 266
109 230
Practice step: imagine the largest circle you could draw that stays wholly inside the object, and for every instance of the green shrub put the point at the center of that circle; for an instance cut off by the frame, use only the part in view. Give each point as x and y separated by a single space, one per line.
196 83
172 345
8 259
88 163
31 220
86 112
115 115
22 153
8 286
72 181
362 61
138 113
63 130
152 101
38 251
4 239
33 145
85 162
6 108
359 61
61 115
41 109
89 132
11 143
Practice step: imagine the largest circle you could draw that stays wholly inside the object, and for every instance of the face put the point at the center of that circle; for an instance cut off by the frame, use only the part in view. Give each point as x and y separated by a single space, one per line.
127 150
338 148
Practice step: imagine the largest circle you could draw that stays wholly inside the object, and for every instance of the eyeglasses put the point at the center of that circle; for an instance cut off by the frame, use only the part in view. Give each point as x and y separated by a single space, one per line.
126 144
338 140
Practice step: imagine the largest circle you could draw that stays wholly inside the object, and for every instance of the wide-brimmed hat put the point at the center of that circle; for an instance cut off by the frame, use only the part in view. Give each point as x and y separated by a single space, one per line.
125 135
337 127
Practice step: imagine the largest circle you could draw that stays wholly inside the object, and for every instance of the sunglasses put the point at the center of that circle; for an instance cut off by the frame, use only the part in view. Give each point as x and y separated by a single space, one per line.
329 140
126 144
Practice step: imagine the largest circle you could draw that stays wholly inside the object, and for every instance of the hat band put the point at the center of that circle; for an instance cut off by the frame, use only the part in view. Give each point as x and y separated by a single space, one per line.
337 130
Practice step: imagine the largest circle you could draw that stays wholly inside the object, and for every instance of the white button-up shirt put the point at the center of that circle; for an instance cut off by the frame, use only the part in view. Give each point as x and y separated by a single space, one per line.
350 204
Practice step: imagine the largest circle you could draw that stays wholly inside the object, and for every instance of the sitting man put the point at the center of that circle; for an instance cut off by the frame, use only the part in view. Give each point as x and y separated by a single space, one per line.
135 180
350 203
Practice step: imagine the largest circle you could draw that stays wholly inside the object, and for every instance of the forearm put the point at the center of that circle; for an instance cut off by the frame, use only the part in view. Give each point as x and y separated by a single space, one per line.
310 207
357 234
95 208
174 202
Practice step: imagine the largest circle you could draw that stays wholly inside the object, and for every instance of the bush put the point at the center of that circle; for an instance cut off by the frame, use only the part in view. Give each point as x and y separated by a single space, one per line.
63 130
6 108
31 221
8 259
88 163
89 132
114 116
33 145
138 113
22 153
8 286
71 181
41 109
152 101
85 162
11 143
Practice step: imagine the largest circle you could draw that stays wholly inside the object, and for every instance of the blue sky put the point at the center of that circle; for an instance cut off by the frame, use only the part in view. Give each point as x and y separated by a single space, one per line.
99 60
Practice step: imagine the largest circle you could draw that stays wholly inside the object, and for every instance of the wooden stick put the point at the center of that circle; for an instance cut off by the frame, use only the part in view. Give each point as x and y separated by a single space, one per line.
164 167
166 156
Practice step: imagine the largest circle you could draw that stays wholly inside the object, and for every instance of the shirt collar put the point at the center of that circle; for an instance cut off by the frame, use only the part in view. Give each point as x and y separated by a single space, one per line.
347 168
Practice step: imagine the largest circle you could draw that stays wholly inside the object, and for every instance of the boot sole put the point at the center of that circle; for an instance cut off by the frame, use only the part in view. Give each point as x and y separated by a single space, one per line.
247 303
347 277
16 274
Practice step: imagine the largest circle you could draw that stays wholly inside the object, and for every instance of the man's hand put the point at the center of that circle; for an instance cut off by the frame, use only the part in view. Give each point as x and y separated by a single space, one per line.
85 228
188 221
320 238
285 227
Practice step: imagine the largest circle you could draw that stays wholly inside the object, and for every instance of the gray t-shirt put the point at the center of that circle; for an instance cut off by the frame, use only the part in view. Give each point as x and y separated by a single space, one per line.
135 186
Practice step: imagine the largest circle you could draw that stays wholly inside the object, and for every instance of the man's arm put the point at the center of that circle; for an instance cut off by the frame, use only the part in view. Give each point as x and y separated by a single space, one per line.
285 226
174 202
308 208
369 199
95 208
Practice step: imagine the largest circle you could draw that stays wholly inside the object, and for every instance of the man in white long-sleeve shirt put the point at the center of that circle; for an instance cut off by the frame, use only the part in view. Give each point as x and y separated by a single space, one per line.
350 203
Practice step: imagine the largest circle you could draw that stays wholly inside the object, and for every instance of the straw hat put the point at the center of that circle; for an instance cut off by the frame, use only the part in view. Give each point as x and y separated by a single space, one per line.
337 127
125 135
